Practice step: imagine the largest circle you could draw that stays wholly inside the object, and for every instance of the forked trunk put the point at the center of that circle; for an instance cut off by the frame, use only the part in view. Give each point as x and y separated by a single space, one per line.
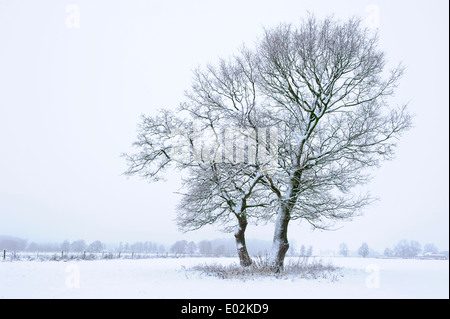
239 235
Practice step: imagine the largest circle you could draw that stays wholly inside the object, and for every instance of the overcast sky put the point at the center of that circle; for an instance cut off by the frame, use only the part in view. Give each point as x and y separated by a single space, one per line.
76 75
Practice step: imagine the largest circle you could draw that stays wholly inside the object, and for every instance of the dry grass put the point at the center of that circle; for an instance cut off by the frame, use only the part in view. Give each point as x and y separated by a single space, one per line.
303 267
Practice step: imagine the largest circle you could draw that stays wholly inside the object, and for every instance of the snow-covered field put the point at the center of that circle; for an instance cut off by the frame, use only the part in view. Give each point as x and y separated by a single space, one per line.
168 278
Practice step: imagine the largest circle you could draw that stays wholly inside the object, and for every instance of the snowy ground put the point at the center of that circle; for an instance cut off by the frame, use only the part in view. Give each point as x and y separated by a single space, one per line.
167 278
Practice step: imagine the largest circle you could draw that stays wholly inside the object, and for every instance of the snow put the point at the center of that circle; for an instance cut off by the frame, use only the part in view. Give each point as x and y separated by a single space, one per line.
169 278
299 139
237 230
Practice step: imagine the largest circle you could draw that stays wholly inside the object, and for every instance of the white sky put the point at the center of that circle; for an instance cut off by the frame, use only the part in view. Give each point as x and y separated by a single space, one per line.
76 75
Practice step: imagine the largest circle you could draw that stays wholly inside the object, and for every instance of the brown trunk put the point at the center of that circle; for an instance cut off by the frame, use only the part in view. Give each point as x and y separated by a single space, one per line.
239 235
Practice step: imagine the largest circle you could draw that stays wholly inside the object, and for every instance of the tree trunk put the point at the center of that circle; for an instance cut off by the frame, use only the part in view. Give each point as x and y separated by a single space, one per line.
280 244
239 234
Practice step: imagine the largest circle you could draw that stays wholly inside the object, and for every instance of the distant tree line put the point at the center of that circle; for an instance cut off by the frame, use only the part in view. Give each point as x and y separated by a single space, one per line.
19 244
306 252
216 247
403 249
12 243
362 251
142 247
212 248
227 247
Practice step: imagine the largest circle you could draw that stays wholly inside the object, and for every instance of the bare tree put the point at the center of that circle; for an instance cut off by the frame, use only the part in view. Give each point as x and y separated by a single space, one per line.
302 251
430 248
324 87
217 138
407 249
328 91
363 250
65 246
180 247
191 248
95 246
205 247
343 249
78 245
309 252
388 252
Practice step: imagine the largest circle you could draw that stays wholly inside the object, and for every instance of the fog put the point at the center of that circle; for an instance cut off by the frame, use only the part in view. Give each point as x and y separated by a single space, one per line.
76 75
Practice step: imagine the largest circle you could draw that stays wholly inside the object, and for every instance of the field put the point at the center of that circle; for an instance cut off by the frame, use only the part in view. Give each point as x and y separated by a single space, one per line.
174 278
